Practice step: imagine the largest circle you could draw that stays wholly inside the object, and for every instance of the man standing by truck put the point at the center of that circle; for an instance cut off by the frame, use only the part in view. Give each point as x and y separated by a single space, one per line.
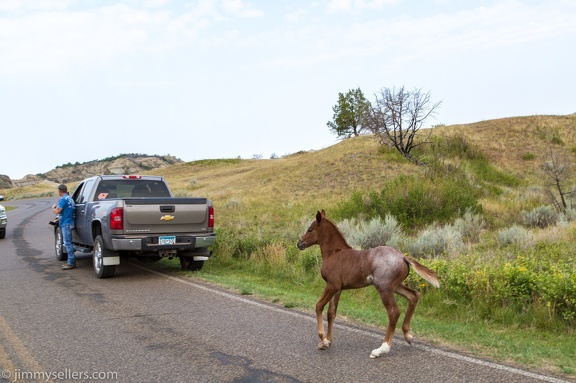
65 208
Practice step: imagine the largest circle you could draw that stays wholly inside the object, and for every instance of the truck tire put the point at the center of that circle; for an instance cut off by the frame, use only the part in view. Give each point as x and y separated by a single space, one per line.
61 253
2 233
188 263
99 253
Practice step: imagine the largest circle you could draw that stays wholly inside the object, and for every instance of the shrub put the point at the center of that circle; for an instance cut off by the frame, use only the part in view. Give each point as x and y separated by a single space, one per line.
528 156
538 280
570 214
488 173
556 139
455 146
542 216
237 245
470 226
348 228
515 235
415 201
377 232
311 260
372 233
434 241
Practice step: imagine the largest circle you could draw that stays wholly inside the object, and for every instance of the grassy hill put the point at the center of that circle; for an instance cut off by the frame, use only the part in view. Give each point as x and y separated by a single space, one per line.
512 301
507 141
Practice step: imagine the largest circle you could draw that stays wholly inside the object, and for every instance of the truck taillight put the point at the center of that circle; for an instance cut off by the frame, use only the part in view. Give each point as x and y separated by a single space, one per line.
210 216
117 219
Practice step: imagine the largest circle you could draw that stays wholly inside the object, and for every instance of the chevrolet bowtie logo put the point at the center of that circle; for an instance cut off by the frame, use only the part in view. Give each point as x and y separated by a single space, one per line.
167 217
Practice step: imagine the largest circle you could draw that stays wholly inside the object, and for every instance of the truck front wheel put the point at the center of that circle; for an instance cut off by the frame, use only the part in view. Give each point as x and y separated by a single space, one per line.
99 253
61 254
188 263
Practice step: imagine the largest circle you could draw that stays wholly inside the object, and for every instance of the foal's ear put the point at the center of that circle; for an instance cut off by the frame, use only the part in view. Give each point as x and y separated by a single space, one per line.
319 216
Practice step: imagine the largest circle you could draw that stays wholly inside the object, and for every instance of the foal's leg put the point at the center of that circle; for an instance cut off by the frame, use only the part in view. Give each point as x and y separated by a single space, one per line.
387 297
412 296
325 298
332 308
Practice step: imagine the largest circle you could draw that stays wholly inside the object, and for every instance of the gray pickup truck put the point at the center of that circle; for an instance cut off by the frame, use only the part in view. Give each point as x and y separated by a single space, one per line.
137 216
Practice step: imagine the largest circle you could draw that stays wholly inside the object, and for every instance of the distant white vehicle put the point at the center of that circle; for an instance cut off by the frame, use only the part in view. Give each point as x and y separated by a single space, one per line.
3 220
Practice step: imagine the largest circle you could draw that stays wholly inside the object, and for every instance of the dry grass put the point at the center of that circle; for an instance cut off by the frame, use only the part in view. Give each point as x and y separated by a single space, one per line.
506 141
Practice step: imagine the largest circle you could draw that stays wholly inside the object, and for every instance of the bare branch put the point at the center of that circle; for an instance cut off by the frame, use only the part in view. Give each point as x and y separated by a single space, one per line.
397 117
558 170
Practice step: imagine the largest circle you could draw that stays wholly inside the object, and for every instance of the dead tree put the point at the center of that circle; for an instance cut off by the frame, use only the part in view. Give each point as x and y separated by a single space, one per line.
558 169
398 116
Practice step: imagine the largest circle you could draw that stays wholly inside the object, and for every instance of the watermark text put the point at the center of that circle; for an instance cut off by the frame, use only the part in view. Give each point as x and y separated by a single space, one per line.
19 375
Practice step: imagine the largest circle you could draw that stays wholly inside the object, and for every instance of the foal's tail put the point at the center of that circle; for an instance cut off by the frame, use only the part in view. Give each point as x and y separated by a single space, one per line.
424 272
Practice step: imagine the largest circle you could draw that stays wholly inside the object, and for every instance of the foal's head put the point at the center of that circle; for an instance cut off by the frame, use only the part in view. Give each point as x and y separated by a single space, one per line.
320 228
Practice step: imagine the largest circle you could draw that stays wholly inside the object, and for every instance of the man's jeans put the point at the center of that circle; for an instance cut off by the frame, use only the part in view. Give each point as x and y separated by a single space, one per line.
67 237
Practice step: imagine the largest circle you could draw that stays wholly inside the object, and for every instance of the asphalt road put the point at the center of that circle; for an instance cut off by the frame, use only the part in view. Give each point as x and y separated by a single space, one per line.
145 325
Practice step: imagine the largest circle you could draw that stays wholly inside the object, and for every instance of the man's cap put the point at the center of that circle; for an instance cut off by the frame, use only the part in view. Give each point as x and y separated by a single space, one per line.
62 187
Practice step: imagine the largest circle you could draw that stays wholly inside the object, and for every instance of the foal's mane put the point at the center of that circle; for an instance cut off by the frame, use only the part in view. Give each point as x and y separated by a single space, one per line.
337 230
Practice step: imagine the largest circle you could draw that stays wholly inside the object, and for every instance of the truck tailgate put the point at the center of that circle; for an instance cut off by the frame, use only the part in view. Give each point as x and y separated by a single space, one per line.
165 215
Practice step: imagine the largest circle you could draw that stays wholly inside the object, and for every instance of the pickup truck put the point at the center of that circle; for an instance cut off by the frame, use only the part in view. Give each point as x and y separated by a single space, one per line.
137 216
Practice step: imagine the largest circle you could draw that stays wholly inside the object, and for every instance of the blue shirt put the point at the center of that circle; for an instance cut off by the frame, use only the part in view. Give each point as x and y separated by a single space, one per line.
66 203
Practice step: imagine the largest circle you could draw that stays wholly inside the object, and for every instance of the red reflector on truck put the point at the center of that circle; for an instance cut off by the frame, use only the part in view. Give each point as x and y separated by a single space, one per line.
117 219
210 216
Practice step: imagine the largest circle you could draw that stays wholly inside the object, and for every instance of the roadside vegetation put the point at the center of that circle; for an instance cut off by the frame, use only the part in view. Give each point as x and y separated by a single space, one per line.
477 208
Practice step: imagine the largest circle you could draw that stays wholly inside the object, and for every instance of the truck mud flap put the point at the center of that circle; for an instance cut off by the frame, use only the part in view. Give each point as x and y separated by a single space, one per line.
110 261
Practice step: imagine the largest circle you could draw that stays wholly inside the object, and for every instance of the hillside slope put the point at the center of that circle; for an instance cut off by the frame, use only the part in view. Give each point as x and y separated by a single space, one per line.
509 141
518 145
122 164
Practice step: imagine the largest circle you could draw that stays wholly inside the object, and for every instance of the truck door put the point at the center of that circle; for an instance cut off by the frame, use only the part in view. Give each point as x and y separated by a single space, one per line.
81 196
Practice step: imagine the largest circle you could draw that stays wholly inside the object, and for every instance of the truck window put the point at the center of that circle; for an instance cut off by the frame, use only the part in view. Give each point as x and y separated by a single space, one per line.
106 190
149 189
77 196
131 189
85 192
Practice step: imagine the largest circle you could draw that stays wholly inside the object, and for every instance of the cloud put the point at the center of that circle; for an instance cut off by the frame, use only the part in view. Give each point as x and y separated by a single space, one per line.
55 41
295 16
348 5
240 9
34 5
478 29
55 35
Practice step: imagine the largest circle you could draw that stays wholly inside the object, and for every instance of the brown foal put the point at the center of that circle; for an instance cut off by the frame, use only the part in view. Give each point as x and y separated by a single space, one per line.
345 268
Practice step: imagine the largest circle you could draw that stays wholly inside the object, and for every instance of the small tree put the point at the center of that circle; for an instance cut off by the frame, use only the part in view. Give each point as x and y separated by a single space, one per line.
398 116
350 114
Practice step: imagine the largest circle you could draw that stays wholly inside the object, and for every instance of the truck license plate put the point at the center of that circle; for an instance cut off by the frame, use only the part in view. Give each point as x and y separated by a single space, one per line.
171 240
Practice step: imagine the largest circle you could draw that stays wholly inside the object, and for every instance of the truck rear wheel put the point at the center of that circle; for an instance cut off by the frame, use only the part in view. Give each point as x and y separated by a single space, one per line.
188 263
61 254
99 253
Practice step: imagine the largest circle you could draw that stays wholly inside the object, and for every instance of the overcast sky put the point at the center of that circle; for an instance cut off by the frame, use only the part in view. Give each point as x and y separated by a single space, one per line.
82 80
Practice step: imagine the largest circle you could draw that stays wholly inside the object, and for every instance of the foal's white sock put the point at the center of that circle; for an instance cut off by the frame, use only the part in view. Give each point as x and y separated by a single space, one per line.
385 348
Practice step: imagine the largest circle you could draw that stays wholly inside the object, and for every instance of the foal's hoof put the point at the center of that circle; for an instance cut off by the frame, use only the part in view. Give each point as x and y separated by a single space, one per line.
324 345
408 338
377 352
